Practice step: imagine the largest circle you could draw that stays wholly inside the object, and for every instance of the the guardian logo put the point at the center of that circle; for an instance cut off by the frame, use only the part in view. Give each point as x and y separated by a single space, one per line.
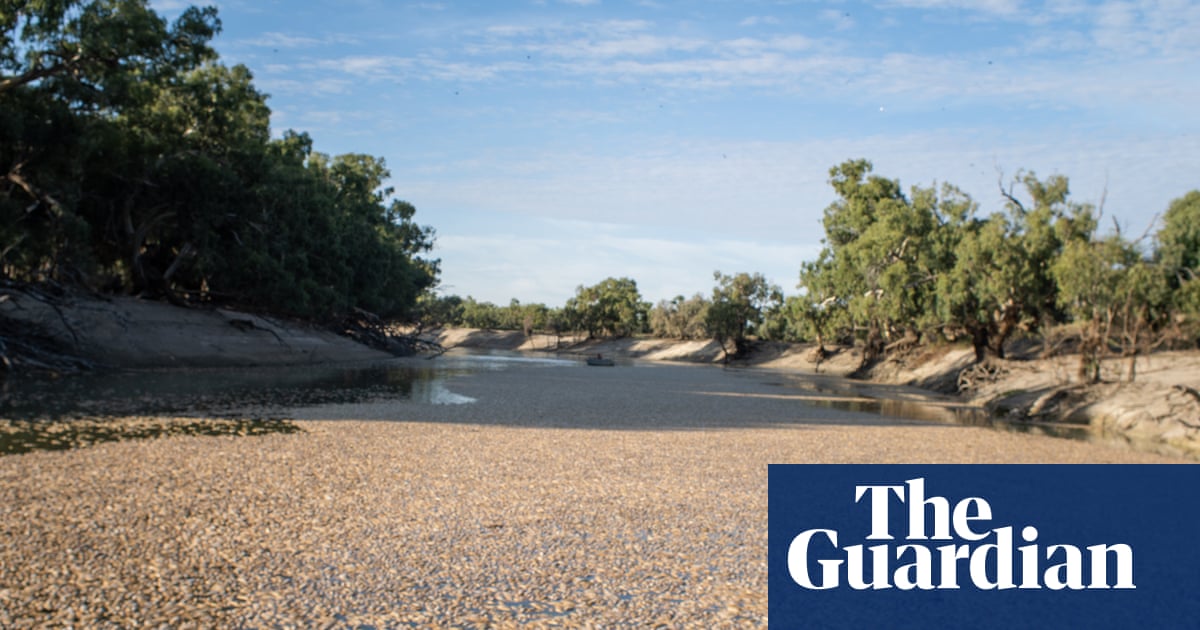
949 546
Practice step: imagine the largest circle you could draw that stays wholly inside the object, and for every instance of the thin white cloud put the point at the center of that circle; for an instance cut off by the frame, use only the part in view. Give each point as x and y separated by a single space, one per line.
745 46
377 66
170 6
1169 28
640 45
633 50
839 19
996 7
281 40
323 85
756 20
278 40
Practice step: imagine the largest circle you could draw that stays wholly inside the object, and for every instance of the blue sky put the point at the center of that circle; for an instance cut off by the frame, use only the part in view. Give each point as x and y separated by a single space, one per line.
555 143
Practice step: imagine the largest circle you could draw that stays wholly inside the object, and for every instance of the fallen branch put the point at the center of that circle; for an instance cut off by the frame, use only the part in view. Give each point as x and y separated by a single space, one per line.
1189 391
368 329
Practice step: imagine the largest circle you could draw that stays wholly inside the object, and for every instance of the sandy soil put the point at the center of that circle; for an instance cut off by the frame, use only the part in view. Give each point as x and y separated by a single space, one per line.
584 497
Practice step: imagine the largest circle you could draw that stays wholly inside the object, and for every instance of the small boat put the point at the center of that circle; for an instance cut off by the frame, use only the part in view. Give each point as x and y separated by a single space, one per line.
600 360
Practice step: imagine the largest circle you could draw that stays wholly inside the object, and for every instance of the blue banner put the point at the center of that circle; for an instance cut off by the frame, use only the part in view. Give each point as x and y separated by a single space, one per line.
984 546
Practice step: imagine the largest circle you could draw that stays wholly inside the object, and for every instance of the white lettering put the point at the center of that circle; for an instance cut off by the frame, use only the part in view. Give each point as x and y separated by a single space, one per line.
1068 574
916 574
1004 561
797 560
1124 555
916 512
963 517
989 566
879 508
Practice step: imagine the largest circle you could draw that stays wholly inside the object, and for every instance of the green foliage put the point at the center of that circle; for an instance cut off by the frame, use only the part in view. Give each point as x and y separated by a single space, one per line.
680 318
898 267
1179 241
451 310
877 273
1179 253
135 162
928 263
1001 280
739 304
612 307
1179 237
801 320
1114 294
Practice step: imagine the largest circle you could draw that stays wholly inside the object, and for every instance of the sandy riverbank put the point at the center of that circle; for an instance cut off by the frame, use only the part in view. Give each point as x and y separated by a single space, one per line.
563 496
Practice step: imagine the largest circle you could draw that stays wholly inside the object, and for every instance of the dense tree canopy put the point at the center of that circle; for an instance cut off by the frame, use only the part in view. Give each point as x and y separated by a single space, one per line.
1179 251
134 161
680 318
898 267
739 306
614 306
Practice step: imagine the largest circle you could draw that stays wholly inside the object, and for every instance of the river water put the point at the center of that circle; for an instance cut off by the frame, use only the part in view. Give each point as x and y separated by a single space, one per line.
501 387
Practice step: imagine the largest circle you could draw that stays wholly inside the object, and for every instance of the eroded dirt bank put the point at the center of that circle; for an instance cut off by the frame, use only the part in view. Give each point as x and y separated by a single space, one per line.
127 332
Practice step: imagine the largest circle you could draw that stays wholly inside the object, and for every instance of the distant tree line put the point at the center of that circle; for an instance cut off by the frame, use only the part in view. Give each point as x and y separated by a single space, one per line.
133 161
898 269
742 306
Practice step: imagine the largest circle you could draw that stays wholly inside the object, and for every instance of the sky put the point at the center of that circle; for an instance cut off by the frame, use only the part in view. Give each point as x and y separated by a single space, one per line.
554 143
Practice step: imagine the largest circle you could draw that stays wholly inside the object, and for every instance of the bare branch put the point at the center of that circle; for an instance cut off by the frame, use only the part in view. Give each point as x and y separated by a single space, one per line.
1150 226
1008 194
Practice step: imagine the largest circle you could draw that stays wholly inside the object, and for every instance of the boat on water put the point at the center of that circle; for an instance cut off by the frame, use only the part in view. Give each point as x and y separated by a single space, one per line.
600 360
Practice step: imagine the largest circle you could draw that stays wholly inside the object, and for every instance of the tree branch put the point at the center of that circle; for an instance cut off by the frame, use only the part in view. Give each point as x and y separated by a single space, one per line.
11 83
15 177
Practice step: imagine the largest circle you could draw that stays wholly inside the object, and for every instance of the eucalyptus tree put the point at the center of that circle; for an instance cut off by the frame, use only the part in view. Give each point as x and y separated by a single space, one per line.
614 306
68 69
134 161
738 306
680 318
877 272
1179 252
1001 279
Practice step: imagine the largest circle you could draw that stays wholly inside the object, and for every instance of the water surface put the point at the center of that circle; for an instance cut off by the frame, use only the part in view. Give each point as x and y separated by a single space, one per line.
491 387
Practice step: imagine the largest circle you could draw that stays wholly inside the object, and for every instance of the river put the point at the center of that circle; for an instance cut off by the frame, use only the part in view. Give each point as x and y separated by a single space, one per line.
488 388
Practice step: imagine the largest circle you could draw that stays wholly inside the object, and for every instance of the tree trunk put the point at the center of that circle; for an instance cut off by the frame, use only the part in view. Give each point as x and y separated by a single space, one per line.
1089 354
979 339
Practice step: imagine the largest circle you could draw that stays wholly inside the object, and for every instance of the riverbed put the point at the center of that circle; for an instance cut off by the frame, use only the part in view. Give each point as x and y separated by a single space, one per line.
483 387
496 492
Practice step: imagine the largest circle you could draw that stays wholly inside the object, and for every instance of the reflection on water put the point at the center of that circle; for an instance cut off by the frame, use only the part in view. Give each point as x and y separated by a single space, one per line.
228 391
27 406
956 414
53 414
864 398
